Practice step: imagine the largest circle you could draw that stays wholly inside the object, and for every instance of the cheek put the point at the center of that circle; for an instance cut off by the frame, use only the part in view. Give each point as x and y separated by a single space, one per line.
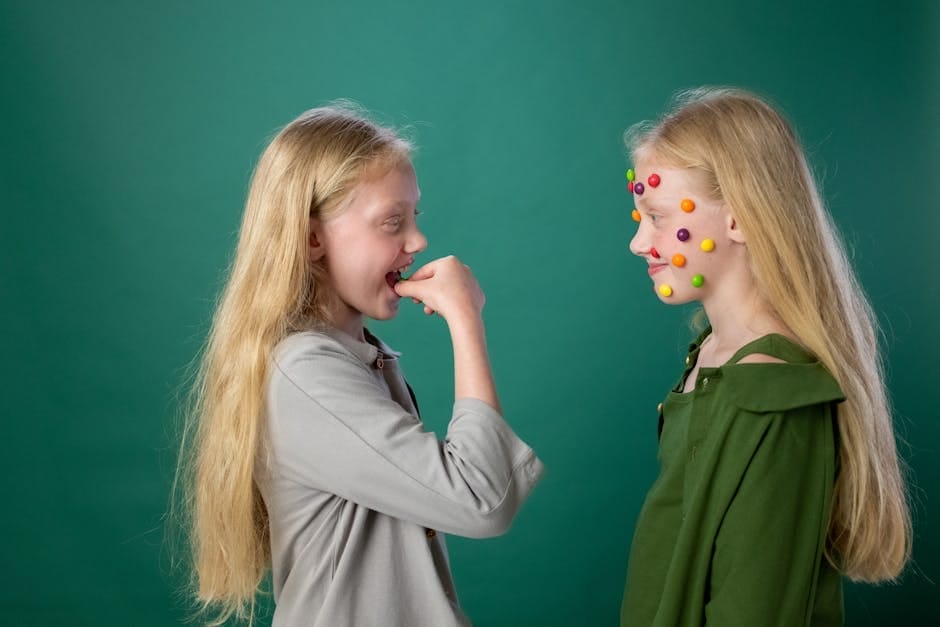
686 247
678 244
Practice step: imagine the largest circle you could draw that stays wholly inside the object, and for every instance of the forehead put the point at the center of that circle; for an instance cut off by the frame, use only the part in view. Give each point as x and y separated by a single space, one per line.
660 179
382 187
668 174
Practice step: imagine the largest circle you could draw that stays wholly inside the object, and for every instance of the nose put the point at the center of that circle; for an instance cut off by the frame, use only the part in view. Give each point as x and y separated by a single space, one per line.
639 244
416 242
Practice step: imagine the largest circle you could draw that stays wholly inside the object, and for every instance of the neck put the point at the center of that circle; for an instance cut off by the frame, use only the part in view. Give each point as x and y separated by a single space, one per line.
738 315
350 322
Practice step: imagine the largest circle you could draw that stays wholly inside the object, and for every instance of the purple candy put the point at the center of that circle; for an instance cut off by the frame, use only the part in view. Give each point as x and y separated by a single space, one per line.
638 189
682 234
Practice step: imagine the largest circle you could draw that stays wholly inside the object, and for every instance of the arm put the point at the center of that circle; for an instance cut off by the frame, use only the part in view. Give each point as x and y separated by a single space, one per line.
769 547
447 287
334 428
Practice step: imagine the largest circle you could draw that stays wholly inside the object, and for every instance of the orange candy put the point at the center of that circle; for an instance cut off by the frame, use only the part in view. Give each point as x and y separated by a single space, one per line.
636 215
678 260
687 205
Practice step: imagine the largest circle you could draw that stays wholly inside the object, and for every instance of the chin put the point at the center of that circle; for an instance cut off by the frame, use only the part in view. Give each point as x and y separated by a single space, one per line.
676 298
385 313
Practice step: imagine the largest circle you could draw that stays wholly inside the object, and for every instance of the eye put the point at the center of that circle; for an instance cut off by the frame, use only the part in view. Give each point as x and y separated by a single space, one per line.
392 223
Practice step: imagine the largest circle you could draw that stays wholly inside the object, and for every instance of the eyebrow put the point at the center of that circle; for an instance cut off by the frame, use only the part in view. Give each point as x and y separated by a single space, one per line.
400 206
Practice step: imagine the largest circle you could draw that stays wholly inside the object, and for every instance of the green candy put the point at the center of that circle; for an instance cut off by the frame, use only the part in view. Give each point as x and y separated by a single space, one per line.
698 280
631 176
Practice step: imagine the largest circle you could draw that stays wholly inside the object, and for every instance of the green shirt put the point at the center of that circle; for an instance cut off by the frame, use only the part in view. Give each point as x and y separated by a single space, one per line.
733 531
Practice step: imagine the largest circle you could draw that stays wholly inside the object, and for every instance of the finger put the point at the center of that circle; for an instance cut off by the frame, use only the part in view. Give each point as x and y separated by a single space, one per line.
424 272
410 289
415 301
428 310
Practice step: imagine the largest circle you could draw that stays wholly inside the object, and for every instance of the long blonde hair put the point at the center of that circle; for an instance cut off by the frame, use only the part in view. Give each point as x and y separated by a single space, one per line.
306 171
750 157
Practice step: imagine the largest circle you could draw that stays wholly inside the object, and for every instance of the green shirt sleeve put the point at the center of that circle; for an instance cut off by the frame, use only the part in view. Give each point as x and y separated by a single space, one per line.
773 533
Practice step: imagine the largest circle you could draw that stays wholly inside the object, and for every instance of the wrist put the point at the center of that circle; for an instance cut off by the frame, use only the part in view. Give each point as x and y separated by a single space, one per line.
465 323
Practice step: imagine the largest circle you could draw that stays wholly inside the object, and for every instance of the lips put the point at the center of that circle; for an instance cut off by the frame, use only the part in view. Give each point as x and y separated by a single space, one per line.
656 267
393 277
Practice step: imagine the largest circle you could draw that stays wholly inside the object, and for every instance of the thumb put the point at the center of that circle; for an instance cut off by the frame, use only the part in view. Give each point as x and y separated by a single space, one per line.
409 289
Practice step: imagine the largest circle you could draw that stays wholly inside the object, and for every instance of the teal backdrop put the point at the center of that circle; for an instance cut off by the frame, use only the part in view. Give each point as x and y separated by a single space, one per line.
129 131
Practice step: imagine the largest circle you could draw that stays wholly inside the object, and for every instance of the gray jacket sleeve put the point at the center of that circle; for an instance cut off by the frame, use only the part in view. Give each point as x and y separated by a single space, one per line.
334 427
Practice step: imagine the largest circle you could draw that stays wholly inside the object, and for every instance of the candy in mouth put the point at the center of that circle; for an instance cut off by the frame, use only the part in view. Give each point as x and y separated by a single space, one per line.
393 278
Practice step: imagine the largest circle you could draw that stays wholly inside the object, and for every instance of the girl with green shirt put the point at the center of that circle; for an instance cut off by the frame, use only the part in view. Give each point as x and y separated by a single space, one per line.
778 465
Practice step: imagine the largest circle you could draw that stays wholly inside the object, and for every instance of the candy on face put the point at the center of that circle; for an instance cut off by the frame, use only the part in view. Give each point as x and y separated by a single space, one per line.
653 180
638 188
698 280
678 260
654 253
631 176
636 215
630 187
708 245
683 234
665 290
687 205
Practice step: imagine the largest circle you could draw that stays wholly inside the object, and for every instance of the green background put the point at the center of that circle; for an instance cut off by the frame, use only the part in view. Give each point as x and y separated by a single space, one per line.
129 130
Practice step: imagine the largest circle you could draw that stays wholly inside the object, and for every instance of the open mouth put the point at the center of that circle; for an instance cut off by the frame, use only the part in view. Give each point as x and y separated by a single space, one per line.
395 276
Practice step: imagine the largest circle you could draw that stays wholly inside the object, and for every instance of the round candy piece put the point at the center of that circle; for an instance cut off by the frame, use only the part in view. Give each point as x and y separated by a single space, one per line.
638 188
665 290
636 215
631 175
630 187
708 245
687 205
654 253
678 260
683 234
698 280
653 180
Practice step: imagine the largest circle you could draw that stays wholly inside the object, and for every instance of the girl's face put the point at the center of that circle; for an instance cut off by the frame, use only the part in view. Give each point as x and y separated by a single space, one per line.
687 239
369 244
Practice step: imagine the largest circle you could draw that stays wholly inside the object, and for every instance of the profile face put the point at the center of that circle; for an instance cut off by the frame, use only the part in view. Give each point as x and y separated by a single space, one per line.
682 233
371 242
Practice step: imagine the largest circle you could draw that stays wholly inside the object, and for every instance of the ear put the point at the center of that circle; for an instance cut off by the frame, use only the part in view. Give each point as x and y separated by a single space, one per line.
733 229
315 247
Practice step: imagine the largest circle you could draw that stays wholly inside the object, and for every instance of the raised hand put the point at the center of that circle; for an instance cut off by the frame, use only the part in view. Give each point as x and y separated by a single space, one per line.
445 286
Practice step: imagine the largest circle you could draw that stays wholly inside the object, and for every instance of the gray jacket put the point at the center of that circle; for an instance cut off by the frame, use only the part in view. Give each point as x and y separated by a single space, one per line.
356 489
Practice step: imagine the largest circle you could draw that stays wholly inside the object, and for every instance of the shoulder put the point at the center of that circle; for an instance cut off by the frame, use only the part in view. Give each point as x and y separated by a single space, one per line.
328 355
305 346
779 375
318 363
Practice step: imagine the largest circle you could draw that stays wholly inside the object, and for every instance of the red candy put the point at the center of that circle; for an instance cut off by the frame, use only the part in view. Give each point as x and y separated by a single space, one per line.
654 253
630 187
653 180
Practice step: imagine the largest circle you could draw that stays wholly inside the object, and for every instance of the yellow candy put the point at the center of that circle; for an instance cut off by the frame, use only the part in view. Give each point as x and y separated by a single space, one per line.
665 290
636 215
678 260
687 205
708 245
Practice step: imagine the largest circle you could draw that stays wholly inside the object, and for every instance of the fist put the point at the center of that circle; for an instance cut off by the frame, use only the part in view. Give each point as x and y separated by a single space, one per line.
445 286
